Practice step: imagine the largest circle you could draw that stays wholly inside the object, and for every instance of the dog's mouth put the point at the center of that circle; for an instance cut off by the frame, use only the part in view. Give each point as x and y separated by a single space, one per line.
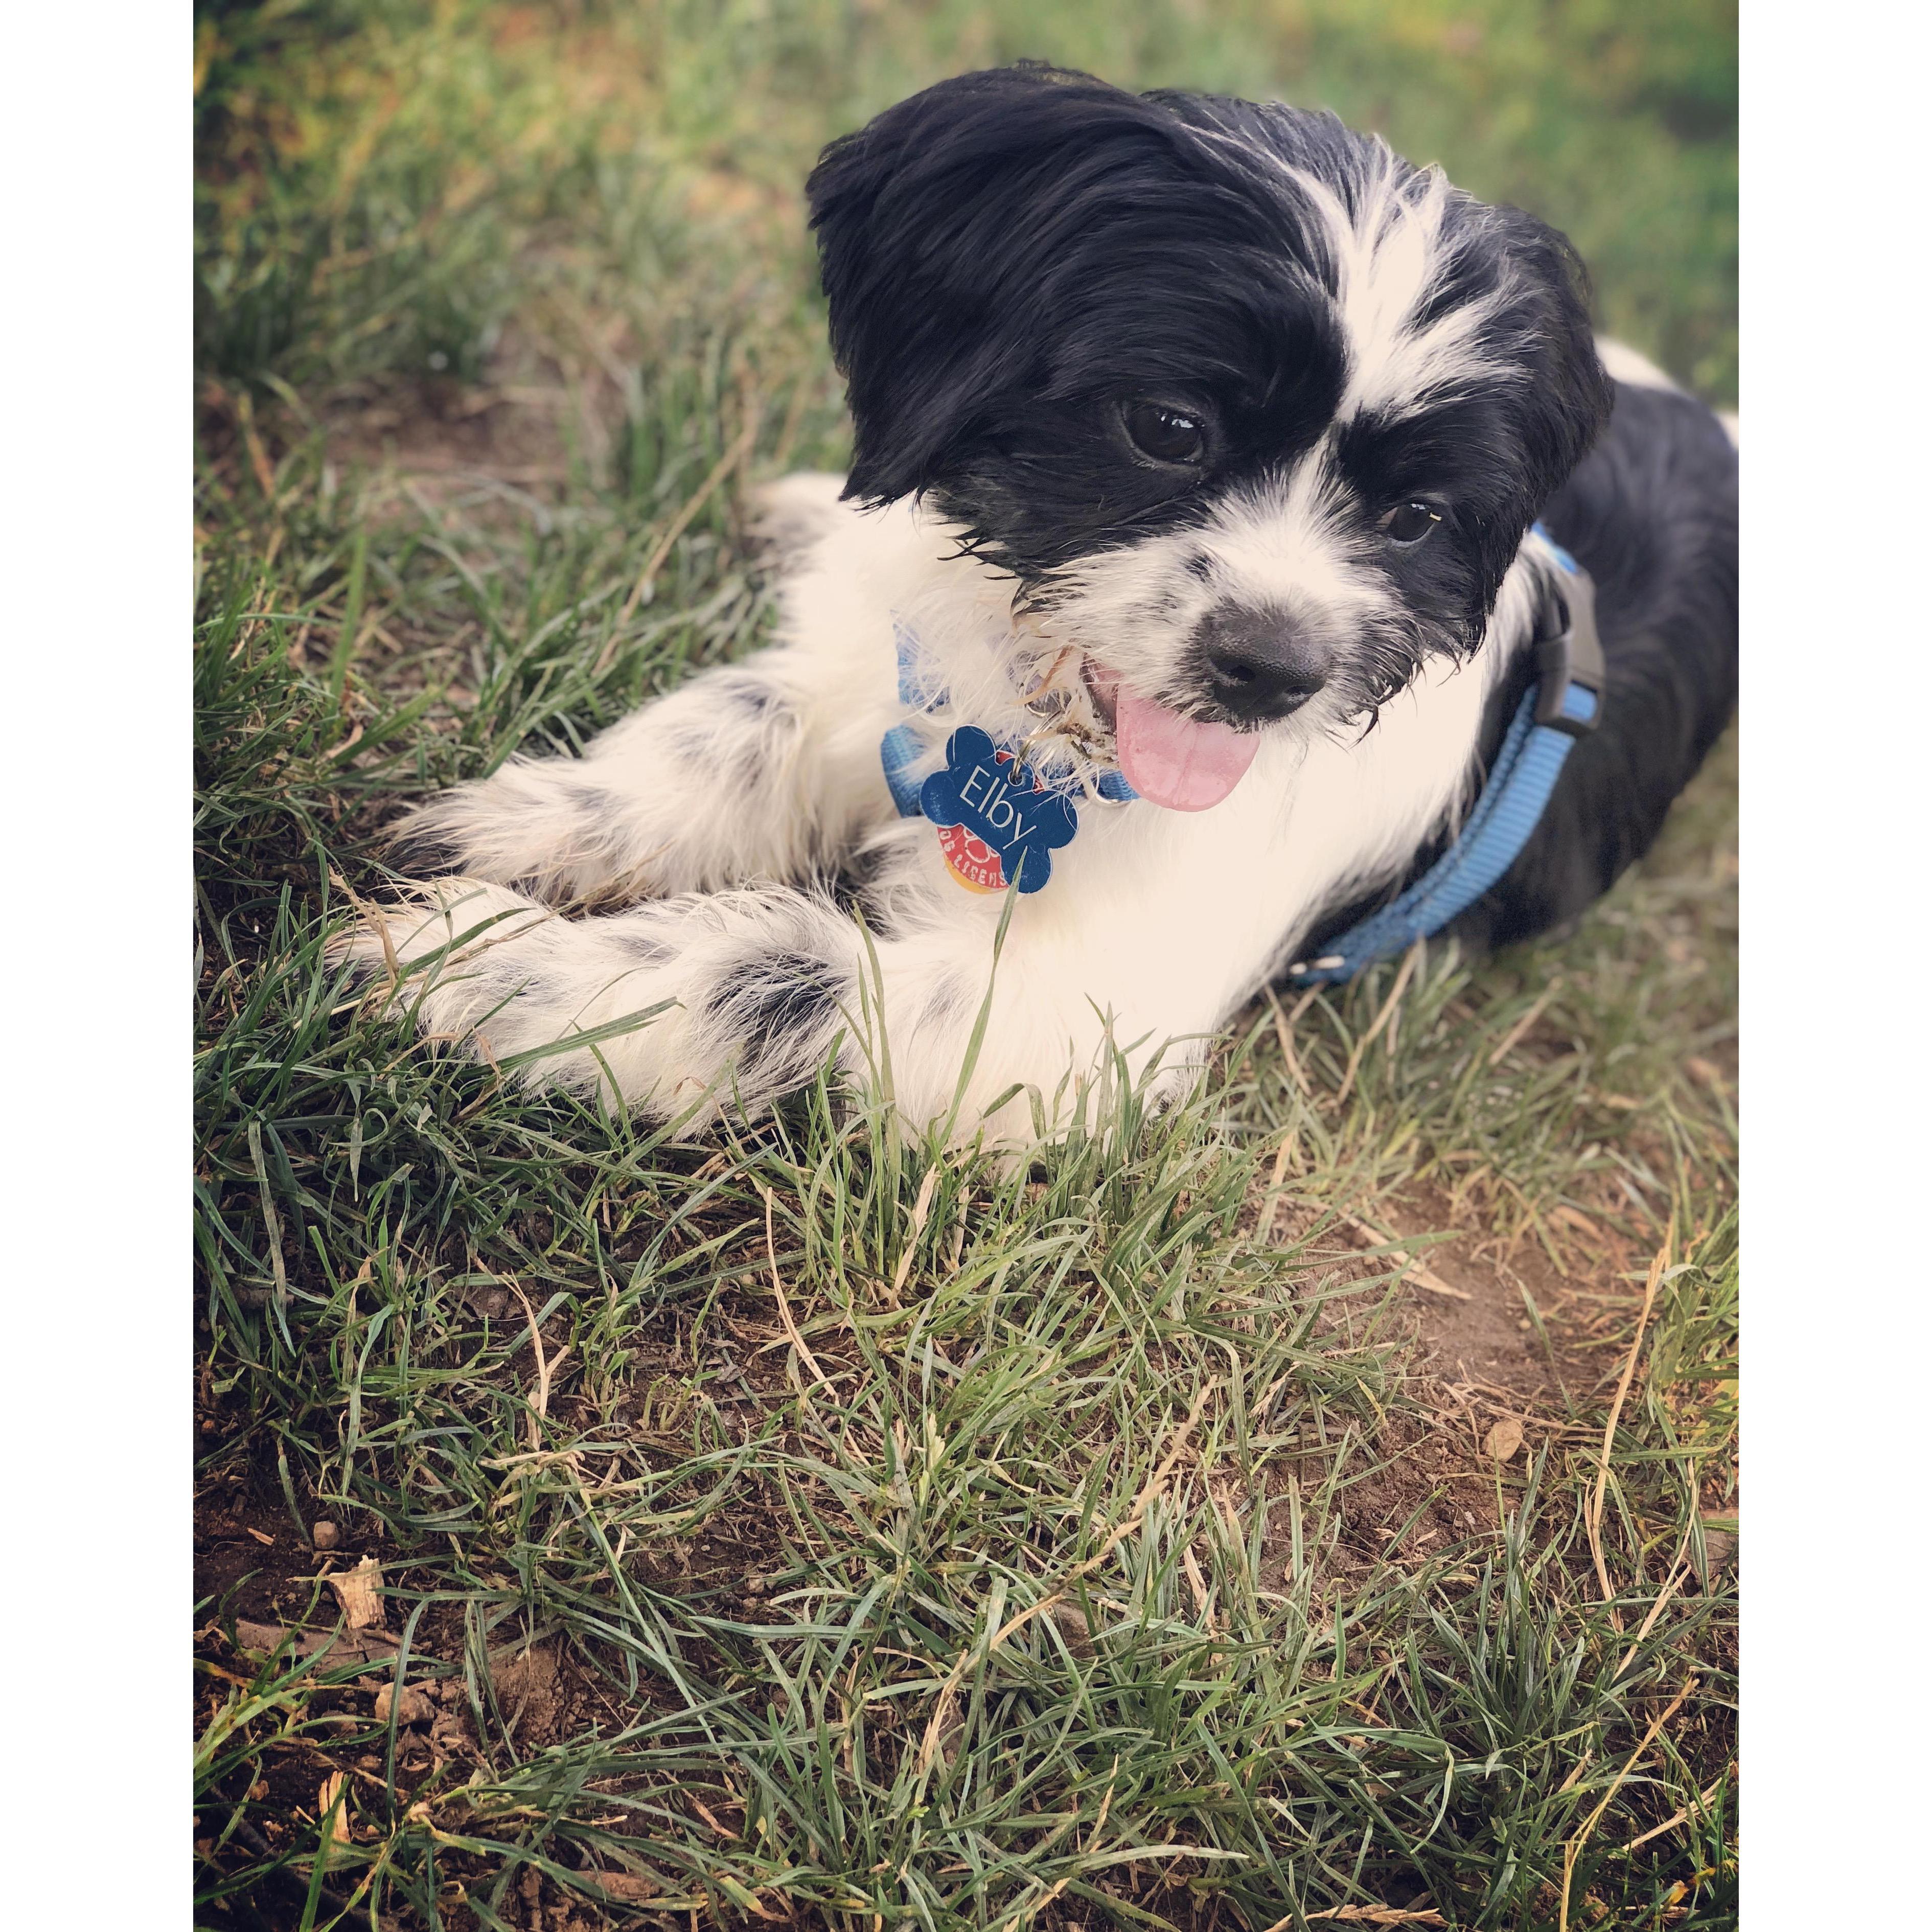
1170 760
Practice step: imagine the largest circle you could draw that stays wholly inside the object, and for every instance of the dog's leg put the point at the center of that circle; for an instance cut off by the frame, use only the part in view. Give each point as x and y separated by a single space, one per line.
746 988
738 997
765 770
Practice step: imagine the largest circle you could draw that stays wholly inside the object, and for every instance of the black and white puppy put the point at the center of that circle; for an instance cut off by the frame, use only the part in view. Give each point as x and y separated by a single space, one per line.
1198 442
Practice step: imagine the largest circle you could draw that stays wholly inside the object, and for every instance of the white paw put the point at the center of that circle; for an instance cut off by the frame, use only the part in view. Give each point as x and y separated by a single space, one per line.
550 828
684 1007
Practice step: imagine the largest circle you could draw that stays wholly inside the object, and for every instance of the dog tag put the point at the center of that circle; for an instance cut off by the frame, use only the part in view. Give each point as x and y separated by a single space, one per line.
997 826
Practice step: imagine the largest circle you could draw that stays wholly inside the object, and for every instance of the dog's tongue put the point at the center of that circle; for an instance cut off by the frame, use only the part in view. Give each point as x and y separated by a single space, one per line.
1175 762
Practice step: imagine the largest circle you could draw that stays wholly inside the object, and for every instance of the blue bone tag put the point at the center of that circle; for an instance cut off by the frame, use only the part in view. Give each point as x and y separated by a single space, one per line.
996 825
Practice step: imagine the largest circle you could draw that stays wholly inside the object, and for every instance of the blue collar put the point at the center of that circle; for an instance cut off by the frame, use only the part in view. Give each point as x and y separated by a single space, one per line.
1565 704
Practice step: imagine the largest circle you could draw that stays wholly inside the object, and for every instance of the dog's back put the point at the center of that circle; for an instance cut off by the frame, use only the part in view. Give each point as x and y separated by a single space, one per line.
1652 513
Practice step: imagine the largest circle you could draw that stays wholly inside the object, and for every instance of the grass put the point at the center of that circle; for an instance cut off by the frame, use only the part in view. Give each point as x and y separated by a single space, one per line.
902 1540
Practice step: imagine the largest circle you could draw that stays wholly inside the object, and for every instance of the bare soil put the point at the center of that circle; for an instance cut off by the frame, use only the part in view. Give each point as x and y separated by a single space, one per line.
1488 1378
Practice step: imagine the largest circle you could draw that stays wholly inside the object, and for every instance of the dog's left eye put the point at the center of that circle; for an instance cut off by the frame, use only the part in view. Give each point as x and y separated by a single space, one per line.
1410 523
1168 435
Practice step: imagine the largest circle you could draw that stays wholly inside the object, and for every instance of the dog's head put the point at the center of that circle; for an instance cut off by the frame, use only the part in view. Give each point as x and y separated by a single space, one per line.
1256 412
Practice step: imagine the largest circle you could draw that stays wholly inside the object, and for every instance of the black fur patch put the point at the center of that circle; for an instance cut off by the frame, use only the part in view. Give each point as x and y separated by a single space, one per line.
781 1009
944 1003
598 804
644 947
747 721
424 853
751 696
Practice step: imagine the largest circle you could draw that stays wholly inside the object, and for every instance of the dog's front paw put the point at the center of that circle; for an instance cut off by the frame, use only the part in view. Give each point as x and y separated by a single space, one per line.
589 1006
676 1008
547 829
428 948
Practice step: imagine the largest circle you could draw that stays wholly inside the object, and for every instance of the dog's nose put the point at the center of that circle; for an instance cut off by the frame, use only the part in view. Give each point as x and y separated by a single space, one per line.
1260 663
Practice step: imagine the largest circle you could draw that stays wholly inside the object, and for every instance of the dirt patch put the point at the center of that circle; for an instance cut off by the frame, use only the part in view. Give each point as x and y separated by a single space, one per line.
1486 1312
431 437
250 1560
1516 1322
1506 1352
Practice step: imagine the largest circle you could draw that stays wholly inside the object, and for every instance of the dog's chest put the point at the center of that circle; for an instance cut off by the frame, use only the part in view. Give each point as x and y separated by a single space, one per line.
1186 913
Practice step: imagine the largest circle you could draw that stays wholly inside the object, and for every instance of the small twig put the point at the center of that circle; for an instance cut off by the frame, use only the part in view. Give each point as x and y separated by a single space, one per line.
1277 1180
342 1646
1038 1902
1106 1804
1197 1584
722 468
792 1335
1528 1020
540 1406
1677 1817
1378 1914
1593 1521
1413 1268
1284 1033
698 1805
1284 1025
1589 1824
921 1208
1363 1915
1663 1596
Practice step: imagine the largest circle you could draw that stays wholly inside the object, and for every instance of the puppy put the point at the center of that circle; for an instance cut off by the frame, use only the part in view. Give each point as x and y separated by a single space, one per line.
1181 599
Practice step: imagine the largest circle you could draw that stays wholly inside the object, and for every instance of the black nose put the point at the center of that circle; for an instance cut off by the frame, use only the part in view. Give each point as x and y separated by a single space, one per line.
1260 663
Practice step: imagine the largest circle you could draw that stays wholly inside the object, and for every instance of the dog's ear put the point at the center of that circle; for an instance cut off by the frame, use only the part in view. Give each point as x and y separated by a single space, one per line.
935 222
1544 327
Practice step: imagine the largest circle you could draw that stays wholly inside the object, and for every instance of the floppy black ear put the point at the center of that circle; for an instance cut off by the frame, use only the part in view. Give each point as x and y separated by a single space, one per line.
1546 328
934 221
1520 432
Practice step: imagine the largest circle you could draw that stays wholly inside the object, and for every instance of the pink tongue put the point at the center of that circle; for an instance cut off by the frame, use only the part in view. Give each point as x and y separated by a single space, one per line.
1175 762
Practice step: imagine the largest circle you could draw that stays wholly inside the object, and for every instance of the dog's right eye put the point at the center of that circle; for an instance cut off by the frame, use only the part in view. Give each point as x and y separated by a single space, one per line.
1168 435
1409 523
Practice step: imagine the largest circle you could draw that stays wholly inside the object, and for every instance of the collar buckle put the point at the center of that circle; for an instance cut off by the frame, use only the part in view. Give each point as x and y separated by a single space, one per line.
1570 660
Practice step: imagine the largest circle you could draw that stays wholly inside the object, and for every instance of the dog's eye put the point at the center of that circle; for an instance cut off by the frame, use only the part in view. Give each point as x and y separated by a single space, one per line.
1167 435
1410 523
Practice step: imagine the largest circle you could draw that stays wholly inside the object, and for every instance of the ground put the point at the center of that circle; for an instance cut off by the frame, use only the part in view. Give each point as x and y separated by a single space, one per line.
1314 1507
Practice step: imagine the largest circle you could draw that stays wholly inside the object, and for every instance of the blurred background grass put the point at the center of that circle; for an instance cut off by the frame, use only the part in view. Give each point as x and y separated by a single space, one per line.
385 188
